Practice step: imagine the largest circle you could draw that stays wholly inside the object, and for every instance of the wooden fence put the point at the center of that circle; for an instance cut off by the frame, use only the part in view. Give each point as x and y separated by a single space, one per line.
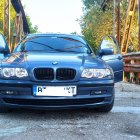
132 67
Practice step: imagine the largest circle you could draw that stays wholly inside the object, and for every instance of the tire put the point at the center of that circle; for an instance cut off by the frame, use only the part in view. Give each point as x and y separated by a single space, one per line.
4 109
106 108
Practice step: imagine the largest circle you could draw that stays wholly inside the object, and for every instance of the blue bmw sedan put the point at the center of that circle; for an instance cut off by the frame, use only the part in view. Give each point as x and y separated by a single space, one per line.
59 71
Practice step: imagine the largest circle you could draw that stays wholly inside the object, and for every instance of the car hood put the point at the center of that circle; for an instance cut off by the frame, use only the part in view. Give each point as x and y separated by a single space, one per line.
42 59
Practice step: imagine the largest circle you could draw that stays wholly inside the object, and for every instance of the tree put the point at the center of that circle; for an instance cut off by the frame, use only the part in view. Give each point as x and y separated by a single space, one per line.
102 4
1 15
33 29
97 21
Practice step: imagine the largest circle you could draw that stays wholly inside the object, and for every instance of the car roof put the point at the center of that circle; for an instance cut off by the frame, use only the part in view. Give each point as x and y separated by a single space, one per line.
51 34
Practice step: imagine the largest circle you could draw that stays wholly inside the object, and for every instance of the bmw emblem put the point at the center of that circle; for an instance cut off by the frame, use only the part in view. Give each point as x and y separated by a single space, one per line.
55 63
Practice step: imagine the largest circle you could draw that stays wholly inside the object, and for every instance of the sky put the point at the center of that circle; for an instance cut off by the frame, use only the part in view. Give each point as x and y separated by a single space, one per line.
55 15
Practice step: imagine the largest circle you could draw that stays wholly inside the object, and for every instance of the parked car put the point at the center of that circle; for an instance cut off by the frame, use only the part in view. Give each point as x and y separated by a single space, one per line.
59 71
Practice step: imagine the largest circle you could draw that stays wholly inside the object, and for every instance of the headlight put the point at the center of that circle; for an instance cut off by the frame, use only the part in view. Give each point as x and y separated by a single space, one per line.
10 72
21 72
96 73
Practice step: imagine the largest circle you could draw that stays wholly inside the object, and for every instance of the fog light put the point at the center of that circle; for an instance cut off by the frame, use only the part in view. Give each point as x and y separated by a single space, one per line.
8 92
97 92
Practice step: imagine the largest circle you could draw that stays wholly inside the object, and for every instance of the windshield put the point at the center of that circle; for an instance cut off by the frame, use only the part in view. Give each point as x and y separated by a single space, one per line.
52 44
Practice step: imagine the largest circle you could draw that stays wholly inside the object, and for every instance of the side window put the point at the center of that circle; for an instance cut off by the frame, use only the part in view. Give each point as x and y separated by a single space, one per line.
109 42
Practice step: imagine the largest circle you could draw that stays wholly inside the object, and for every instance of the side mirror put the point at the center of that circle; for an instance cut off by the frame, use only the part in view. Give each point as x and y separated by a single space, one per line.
108 46
3 45
107 51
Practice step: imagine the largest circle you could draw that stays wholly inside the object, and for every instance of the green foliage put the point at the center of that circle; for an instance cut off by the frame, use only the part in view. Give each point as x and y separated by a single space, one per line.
97 22
12 17
133 43
75 33
33 29
98 3
1 15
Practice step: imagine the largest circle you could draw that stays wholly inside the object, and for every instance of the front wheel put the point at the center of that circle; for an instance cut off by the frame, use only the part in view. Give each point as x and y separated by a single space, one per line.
106 108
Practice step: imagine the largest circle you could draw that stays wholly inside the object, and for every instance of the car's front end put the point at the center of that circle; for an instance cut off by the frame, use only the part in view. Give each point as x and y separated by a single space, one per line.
55 81
89 95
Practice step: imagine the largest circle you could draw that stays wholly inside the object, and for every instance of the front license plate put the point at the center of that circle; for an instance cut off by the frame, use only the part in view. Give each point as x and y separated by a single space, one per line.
54 90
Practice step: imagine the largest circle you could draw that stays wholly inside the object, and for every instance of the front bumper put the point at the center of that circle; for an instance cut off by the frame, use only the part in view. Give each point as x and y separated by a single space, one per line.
86 97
